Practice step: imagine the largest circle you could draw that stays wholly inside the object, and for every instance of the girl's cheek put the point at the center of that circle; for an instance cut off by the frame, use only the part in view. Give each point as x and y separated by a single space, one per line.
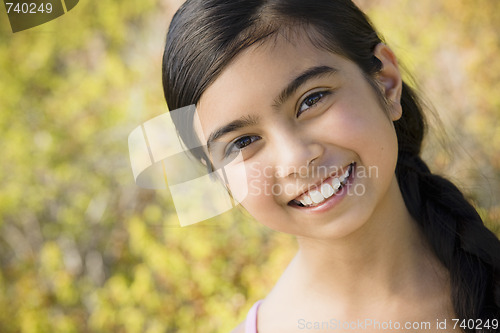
260 184
361 124
237 180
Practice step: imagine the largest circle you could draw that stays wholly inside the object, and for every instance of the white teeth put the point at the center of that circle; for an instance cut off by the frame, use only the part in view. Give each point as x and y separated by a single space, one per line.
346 174
336 183
327 190
306 200
316 196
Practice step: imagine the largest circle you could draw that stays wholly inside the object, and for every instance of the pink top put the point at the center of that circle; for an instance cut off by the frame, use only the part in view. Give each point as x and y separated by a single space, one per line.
251 321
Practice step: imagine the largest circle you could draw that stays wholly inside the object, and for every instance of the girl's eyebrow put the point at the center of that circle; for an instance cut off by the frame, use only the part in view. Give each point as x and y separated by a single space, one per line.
244 121
290 89
301 79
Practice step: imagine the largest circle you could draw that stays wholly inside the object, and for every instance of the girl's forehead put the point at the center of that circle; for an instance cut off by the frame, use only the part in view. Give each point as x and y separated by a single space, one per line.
298 46
263 69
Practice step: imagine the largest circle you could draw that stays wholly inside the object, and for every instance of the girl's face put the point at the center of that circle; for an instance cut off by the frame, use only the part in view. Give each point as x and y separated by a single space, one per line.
319 149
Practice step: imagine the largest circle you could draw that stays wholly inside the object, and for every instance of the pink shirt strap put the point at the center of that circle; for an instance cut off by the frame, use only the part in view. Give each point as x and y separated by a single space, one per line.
251 321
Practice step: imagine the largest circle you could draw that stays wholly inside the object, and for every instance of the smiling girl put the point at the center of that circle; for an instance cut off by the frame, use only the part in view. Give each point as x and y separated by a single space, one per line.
330 137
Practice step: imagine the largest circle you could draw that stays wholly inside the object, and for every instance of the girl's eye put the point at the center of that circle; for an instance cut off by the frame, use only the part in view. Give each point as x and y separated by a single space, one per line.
311 101
240 144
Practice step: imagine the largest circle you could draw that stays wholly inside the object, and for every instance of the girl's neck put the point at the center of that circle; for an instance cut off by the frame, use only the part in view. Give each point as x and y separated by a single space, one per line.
386 257
384 271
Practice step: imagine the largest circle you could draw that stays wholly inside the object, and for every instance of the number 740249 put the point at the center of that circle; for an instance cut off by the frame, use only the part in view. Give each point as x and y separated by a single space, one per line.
29 8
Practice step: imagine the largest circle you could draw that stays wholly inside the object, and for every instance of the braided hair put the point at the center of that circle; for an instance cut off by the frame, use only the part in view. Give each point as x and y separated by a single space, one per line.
452 226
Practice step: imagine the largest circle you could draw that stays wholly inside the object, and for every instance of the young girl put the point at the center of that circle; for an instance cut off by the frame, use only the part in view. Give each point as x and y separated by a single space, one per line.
330 136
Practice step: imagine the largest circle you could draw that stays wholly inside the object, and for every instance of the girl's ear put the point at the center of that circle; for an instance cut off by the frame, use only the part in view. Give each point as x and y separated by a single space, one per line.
390 79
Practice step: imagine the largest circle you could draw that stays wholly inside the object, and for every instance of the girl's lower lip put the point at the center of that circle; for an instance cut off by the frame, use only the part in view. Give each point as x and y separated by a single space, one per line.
334 199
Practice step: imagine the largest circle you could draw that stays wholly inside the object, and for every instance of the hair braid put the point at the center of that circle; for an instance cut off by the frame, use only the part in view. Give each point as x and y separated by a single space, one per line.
451 225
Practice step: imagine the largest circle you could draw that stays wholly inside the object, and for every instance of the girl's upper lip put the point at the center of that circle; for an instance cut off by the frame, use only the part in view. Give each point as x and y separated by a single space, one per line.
337 173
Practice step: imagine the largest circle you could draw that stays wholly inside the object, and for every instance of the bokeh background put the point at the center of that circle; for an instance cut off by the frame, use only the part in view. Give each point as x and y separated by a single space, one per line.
82 249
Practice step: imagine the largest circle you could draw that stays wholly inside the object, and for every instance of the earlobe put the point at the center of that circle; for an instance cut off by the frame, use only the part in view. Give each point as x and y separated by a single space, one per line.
390 79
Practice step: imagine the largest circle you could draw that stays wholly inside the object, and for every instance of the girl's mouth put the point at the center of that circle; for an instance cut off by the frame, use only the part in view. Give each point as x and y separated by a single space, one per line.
327 189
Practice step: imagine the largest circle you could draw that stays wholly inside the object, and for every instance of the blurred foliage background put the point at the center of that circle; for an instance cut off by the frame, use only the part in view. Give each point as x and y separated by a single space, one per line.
82 249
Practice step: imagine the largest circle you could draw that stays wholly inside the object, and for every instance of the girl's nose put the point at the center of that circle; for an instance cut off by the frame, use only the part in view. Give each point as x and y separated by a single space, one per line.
294 154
